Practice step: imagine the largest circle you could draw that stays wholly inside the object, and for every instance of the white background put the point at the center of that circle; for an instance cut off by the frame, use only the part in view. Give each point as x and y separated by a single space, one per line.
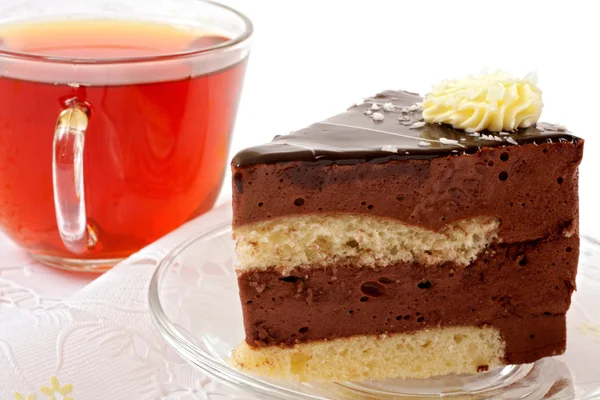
311 59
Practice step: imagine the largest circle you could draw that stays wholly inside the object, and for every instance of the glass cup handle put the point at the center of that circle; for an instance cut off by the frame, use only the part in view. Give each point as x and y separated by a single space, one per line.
67 178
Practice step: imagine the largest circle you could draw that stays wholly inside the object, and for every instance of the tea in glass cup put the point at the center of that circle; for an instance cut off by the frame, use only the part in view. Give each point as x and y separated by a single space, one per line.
115 121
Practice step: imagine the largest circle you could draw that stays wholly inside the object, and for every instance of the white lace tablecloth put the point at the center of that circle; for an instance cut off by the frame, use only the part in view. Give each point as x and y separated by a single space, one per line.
66 336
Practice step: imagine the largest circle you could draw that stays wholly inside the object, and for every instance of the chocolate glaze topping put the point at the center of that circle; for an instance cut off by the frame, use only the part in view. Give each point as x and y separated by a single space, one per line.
353 137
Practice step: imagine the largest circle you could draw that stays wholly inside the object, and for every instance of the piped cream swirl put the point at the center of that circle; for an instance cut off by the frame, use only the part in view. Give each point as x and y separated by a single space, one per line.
496 102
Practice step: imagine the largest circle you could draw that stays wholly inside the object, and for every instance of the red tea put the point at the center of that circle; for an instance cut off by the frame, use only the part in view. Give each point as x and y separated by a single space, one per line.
155 152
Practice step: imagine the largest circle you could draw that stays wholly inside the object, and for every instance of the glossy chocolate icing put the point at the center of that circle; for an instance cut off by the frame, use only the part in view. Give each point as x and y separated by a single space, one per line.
353 137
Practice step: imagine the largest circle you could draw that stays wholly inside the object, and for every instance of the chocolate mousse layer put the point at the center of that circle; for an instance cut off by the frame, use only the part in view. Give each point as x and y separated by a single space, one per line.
524 290
426 176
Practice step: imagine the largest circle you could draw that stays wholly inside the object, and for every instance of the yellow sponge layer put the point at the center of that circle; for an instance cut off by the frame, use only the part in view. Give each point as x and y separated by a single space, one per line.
422 354
313 240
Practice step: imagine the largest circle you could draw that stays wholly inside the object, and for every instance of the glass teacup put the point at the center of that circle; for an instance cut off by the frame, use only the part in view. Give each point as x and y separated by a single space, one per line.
115 121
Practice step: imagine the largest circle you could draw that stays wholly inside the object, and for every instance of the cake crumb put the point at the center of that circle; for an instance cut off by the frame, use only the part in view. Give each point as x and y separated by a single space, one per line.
388 107
424 144
377 116
556 388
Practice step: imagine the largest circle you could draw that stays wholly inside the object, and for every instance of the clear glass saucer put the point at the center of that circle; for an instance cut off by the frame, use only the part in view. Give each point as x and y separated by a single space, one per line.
194 302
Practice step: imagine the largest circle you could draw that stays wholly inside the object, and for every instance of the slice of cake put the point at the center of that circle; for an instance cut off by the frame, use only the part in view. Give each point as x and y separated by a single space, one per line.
396 241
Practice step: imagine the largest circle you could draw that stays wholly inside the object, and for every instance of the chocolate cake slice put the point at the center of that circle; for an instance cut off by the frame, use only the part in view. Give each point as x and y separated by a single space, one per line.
375 245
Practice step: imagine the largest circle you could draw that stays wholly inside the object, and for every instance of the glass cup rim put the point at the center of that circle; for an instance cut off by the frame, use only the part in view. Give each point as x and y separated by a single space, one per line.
233 42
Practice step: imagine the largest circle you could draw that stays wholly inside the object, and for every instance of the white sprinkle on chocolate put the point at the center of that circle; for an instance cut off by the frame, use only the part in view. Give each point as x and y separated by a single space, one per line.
443 140
424 144
375 107
498 139
511 140
404 118
388 107
462 139
419 124
559 127
368 112
475 134
389 148
377 116
545 126
415 107
504 133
